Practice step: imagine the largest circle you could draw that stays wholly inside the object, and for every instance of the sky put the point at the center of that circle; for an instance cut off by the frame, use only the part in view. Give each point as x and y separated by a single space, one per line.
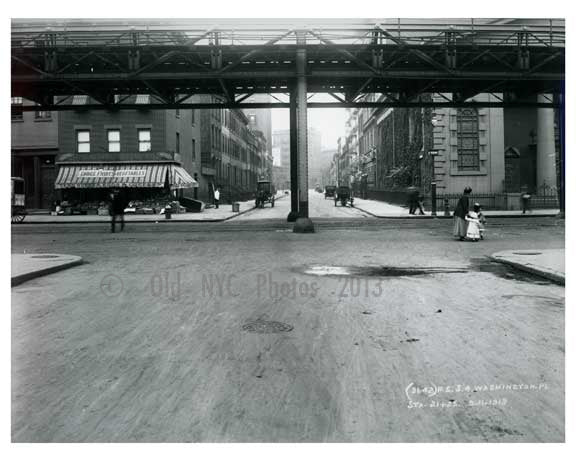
329 122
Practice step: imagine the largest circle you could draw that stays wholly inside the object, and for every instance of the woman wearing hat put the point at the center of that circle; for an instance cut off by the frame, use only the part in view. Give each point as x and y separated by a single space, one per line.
460 213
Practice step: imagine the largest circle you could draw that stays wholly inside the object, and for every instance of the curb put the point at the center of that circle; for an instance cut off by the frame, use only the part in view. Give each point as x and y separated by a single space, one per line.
141 221
441 216
19 279
554 277
146 221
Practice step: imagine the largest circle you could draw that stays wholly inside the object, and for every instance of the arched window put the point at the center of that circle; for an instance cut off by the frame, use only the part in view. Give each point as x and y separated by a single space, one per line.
468 140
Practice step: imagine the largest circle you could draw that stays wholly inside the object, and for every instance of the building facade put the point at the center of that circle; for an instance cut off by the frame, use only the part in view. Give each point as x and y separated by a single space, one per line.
151 153
233 156
497 152
34 150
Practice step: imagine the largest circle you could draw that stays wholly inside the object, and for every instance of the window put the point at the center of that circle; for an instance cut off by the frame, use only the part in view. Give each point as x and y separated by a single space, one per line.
193 116
79 100
83 141
193 149
113 140
142 99
177 143
144 141
43 115
468 140
17 112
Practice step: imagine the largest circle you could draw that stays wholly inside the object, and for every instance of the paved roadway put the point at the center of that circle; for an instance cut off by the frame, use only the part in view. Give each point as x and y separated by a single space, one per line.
167 334
318 207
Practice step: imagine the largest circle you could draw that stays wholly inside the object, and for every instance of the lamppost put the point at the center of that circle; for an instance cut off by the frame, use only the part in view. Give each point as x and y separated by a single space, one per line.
433 154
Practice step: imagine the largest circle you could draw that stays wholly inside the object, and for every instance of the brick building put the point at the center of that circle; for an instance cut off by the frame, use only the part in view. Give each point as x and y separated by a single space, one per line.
34 151
233 157
151 153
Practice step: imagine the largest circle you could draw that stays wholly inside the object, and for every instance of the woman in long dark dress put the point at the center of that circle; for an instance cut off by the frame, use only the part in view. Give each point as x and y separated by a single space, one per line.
462 208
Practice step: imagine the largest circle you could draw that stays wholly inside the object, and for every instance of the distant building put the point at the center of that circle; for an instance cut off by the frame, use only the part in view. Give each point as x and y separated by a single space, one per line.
261 119
281 148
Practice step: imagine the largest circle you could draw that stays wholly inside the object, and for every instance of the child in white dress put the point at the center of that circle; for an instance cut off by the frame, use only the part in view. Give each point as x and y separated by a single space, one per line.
473 231
482 219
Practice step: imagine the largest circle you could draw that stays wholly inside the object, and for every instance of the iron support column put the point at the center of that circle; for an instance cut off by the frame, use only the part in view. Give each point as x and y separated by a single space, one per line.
561 157
303 223
293 215
433 198
545 155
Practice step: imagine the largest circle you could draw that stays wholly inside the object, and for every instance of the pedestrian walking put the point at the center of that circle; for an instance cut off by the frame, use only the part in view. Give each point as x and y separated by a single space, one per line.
216 197
117 205
460 213
415 201
525 198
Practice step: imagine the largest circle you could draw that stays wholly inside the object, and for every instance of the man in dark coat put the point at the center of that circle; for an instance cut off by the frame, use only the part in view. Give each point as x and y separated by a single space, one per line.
460 213
117 205
415 201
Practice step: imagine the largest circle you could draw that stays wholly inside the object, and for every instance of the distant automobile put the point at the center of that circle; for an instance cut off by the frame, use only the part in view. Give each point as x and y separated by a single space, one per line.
344 196
265 193
329 191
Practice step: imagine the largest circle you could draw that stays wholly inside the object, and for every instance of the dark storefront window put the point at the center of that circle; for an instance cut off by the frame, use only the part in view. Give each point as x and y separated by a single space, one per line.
468 140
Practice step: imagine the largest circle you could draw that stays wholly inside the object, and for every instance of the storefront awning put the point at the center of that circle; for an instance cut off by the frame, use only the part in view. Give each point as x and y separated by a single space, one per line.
111 176
180 179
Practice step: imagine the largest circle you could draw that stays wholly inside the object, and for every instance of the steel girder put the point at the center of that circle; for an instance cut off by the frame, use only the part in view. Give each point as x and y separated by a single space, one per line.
174 64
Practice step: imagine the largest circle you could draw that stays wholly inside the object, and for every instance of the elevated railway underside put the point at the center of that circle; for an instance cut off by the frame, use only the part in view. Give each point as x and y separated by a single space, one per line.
175 60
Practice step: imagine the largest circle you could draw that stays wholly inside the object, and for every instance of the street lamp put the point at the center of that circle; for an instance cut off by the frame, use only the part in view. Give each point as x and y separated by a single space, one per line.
433 153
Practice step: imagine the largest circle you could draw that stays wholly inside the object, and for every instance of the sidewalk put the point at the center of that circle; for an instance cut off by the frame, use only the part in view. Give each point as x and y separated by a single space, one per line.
544 263
223 213
380 209
29 266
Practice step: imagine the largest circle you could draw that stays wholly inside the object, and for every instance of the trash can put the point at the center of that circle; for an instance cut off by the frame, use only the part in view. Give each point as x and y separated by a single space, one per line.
168 212
235 207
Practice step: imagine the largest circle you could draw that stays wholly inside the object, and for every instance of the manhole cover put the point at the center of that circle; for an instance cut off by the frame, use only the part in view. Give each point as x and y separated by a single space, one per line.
266 326
527 253
45 256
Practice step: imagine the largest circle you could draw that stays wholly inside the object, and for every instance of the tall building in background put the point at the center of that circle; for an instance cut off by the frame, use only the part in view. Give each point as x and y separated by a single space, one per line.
314 157
261 119
281 152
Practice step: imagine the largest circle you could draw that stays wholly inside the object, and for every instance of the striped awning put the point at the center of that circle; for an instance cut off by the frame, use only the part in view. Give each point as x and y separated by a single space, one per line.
180 179
111 176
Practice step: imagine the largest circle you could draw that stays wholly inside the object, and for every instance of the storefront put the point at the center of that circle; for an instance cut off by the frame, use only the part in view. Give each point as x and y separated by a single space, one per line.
86 186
